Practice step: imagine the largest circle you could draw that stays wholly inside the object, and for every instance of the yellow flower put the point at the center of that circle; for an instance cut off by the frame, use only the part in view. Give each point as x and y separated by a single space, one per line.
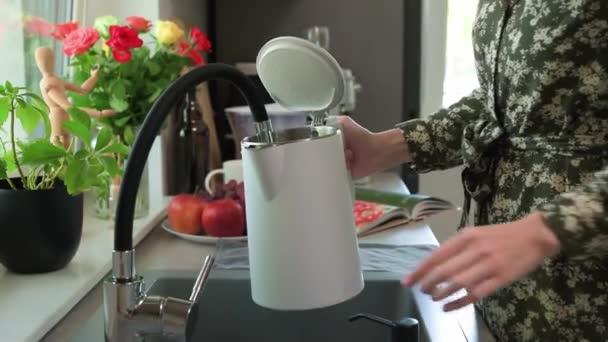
167 32
105 48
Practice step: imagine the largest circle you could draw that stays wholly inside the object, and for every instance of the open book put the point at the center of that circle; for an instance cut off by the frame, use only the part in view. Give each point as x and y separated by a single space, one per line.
376 211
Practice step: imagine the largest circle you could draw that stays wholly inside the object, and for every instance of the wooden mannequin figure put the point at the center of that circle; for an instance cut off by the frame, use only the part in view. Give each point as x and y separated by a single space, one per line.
53 90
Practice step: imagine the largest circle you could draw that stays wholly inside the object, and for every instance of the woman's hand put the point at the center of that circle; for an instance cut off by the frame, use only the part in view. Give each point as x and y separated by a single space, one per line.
367 153
484 259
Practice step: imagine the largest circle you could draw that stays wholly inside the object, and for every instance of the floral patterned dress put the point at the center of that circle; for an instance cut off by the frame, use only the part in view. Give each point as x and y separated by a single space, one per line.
534 136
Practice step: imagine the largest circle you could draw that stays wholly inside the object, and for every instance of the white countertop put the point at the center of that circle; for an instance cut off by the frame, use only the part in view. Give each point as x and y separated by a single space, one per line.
33 304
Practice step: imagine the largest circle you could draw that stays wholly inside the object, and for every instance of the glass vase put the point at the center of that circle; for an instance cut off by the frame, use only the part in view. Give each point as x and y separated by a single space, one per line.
105 207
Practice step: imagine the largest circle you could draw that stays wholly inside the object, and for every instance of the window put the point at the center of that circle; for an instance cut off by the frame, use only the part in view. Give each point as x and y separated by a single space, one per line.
24 26
460 76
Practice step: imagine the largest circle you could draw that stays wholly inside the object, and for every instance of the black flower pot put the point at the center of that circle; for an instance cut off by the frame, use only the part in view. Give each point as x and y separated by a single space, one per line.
39 230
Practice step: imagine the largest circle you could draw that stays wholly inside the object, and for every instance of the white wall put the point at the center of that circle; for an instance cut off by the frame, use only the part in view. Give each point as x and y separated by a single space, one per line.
91 9
445 184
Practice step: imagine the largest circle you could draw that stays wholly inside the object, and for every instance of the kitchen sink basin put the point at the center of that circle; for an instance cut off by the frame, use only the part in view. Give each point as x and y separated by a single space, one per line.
226 311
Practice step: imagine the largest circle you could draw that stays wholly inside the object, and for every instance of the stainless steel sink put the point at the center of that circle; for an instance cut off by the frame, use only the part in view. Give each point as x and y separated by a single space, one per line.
226 311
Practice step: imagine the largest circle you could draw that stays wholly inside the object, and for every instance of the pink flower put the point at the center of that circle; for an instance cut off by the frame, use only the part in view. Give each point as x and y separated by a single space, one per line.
62 30
80 41
37 25
140 24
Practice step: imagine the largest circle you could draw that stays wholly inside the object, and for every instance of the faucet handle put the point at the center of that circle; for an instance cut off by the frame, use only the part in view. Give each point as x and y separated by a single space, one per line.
201 279
404 330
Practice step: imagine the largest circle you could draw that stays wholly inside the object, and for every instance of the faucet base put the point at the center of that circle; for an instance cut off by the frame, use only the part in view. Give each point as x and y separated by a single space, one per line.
120 298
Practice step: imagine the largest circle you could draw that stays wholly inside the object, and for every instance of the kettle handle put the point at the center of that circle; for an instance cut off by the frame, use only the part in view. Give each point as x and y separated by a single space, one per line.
332 120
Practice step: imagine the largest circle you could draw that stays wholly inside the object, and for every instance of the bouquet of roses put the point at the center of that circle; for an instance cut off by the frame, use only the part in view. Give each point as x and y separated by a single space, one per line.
136 62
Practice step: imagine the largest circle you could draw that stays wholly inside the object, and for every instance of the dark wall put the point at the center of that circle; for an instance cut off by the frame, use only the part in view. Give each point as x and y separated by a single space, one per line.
366 36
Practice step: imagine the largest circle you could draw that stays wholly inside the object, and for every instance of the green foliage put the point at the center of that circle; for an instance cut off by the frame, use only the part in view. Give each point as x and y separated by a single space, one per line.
40 163
129 88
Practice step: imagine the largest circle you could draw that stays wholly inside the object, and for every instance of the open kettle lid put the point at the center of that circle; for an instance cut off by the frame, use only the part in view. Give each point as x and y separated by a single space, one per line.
300 75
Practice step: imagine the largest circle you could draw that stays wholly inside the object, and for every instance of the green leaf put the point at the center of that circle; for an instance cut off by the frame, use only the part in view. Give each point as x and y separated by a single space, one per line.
79 100
129 135
75 175
122 121
80 117
117 148
118 104
153 68
110 165
155 95
9 86
5 104
3 173
2 91
36 100
9 158
82 154
103 138
94 171
46 120
28 116
79 130
118 89
41 152
38 104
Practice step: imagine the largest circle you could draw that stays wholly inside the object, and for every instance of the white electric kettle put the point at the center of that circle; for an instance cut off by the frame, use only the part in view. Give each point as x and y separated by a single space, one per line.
303 250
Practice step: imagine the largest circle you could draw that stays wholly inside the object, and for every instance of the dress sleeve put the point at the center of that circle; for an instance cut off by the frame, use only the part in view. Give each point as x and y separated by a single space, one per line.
435 141
580 219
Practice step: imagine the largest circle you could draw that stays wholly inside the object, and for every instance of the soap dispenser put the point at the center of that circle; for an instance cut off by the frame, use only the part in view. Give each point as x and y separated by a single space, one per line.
404 330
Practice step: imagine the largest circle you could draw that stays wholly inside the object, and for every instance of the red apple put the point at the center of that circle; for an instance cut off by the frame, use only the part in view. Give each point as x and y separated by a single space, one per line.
223 217
185 213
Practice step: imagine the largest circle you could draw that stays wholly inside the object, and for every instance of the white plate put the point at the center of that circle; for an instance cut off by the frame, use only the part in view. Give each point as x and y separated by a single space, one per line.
204 239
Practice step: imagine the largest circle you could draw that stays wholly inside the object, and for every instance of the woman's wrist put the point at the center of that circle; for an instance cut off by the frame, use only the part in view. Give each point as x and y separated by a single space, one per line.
392 149
544 236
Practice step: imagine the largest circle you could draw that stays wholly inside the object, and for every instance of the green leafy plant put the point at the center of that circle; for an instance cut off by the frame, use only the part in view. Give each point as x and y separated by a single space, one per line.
38 163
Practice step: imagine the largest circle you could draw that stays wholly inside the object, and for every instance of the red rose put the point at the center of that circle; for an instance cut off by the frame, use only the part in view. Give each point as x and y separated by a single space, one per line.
121 56
37 25
185 50
200 40
122 39
62 30
140 24
80 41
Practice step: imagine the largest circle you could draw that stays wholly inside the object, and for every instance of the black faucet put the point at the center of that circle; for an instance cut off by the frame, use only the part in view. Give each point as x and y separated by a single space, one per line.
128 310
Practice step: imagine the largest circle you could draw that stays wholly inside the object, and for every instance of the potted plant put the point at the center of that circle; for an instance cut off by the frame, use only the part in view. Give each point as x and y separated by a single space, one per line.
41 183
133 73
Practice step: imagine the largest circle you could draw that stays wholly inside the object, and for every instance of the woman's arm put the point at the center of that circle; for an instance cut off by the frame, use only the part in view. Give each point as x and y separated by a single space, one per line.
580 219
435 142
432 143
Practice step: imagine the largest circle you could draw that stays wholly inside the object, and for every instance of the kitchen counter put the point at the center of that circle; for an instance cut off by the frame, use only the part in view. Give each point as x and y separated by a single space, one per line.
54 307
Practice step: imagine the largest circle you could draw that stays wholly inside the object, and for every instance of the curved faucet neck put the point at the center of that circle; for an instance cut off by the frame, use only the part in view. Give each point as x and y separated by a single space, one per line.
123 232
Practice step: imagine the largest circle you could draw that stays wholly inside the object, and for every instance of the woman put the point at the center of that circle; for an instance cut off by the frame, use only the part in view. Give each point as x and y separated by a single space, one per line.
533 139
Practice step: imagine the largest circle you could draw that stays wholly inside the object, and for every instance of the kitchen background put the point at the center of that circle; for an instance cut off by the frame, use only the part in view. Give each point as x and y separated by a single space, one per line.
410 57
